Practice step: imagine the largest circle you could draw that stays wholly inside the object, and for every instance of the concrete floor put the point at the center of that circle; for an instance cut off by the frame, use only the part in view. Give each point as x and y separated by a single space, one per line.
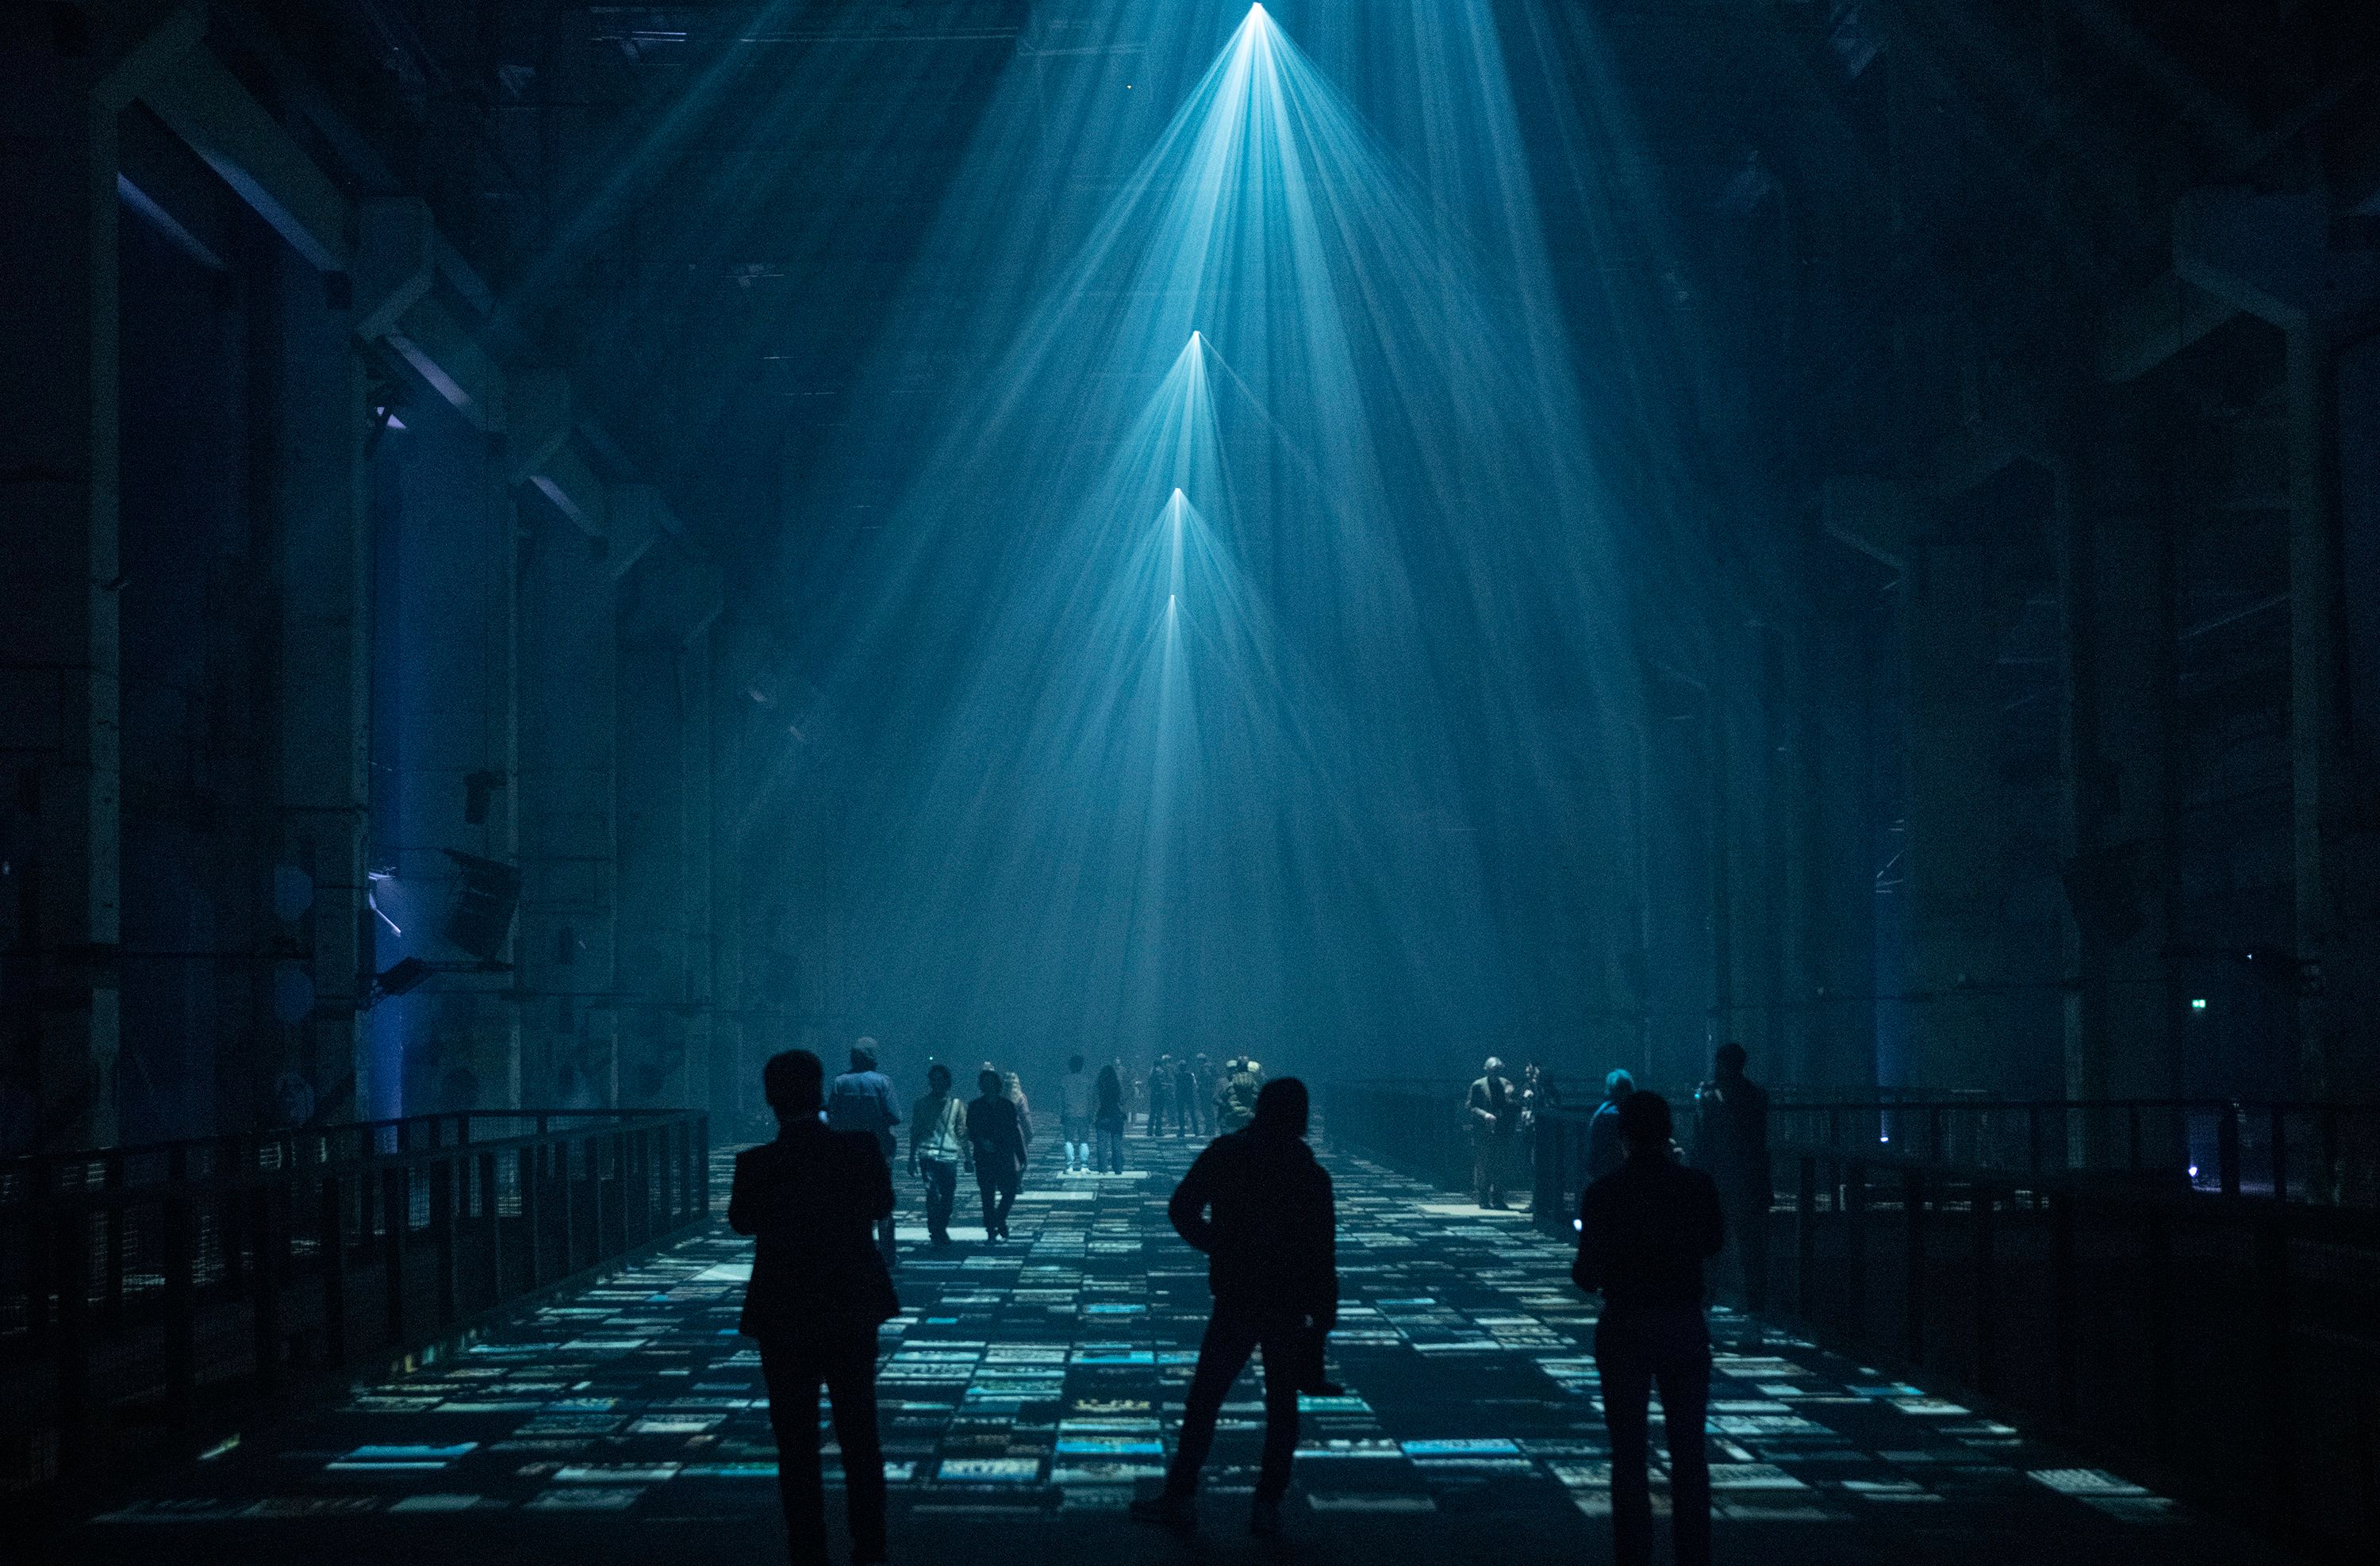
1030 1389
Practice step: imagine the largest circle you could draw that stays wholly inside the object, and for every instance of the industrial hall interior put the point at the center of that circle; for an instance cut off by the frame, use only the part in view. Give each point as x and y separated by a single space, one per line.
1043 783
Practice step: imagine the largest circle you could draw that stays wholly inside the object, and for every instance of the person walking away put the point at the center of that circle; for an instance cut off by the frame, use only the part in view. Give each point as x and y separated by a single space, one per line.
1074 1102
1260 1207
1494 1115
1202 1075
1731 1145
1605 1149
938 1146
861 1100
1185 1098
1015 1086
993 1126
819 1291
1160 1095
1235 1100
1644 1232
1108 1114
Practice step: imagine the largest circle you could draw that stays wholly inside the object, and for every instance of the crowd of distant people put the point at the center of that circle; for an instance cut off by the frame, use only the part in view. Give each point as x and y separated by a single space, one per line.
819 1202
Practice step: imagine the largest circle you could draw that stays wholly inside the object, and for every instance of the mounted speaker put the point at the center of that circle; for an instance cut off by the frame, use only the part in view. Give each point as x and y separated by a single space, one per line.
481 921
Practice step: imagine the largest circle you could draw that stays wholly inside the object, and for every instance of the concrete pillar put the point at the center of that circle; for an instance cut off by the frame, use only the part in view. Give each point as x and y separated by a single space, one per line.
667 604
1954 815
698 691
444 766
2116 591
62 89
569 744
2271 256
320 423
654 968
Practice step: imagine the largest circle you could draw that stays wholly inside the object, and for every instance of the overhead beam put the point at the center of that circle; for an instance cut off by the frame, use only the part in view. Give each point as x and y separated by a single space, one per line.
223 124
574 491
2153 325
435 343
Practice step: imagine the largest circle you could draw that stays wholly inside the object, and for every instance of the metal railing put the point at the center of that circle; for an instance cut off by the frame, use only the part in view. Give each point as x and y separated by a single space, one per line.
148 1293
2224 1343
2325 1153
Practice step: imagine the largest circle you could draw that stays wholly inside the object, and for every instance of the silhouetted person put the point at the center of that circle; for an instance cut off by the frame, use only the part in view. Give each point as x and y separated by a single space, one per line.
861 1100
1108 1114
1075 1115
1492 1111
938 1146
997 1128
1605 1149
1160 1095
819 1291
1236 1096
1731 1144
1187 1118
1259 1206
1644 1232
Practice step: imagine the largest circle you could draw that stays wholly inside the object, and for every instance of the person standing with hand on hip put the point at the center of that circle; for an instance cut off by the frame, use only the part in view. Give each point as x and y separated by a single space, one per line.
1260 1207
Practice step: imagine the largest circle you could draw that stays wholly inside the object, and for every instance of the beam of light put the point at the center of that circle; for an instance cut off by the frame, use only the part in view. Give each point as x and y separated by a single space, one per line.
1249 659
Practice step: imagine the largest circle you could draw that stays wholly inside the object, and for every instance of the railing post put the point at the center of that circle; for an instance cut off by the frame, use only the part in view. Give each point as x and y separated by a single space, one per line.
2157 1245
443 1189
532 1197
624 1172
2280 1397
115 1221
570 1201
181 1297
667 1161
1855 1251
702 1164
71 1250
2066 1306
492 1225
333 1246
1912 1207
269 1245
1806 1237
2227 1148
396 1212
620 1188
1981 1201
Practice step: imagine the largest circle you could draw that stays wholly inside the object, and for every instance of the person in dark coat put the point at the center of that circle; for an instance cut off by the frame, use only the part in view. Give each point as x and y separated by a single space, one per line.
1260 1207
861 1100
1605 1149
997 1128
1492 1111
1731 1144
810 1200
1644 1232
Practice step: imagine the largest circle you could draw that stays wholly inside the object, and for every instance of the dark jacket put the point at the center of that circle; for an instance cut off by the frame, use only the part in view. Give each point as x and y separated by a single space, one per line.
1731 1140
1605 1150
1260 1207
810 1200
1644 1232
998 1133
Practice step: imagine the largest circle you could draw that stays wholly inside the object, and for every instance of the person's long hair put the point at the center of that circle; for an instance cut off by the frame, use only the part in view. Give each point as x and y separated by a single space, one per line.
1110 1088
